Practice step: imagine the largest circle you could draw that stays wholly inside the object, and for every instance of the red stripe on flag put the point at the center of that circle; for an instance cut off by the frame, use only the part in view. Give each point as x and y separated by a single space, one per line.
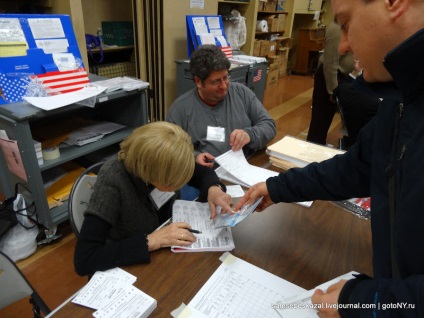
64 82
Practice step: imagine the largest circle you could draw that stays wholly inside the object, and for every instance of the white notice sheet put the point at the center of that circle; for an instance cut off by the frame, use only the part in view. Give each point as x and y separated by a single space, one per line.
239 289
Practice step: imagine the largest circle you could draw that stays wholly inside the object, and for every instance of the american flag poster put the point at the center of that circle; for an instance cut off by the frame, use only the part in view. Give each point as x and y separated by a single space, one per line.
14 86
257 75
227 50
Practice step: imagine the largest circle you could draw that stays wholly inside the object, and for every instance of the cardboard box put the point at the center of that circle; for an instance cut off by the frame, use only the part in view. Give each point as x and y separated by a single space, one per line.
264 51
285 42
276 59
271 5
281 24
272 23
256 48
282 70
272 48
272 76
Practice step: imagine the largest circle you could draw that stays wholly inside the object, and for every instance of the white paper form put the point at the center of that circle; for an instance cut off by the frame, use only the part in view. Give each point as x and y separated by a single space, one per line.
57 101
300 305
235 162
200 25
244 173
134 303
46 28
213 23
197 214
235 191
239 289
103 288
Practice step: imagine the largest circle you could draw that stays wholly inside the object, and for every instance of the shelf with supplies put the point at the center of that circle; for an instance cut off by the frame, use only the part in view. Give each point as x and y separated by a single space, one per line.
21 123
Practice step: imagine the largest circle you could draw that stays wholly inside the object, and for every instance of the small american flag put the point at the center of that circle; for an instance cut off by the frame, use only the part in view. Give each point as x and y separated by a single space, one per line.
227 50
13 88
257 75
63 82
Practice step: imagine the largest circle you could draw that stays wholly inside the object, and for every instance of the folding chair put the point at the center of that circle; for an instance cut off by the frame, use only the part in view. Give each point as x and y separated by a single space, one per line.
80 196
14 286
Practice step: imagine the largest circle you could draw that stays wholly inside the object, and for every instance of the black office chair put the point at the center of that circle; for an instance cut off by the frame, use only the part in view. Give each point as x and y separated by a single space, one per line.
80 196
14 286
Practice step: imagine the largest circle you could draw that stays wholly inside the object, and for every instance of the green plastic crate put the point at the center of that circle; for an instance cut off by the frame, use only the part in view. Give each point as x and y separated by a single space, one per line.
118 33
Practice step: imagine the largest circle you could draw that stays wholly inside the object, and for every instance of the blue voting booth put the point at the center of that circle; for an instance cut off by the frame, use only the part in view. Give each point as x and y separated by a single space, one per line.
206 29
38 48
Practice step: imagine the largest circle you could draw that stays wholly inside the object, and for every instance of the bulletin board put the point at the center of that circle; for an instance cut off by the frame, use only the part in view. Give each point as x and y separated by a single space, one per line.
206 29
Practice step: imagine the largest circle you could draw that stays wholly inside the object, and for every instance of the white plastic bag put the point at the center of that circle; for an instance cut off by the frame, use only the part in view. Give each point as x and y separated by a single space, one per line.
19 243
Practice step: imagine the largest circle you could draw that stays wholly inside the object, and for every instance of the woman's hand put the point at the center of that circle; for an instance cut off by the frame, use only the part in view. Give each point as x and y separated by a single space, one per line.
171 235
217 197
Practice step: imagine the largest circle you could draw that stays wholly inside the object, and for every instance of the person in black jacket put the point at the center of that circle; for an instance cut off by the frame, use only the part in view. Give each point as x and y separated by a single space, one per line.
385 163
358 103
125 209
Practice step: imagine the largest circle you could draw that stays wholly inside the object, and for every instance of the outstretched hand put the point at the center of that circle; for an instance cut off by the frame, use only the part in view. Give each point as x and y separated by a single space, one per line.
254 193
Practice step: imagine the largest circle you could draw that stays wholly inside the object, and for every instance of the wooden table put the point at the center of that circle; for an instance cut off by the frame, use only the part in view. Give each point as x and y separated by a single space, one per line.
306 246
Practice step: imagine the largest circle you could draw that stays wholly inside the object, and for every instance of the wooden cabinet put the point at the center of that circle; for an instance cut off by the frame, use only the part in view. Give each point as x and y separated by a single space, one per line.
310 42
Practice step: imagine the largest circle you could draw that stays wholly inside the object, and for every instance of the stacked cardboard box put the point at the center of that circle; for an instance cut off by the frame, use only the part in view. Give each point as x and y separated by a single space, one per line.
272 76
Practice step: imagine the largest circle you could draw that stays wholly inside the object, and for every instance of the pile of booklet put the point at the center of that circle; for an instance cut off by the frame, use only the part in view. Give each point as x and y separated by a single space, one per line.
290 152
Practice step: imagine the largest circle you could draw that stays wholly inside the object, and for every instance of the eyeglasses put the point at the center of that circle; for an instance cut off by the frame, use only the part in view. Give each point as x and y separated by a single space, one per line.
217 82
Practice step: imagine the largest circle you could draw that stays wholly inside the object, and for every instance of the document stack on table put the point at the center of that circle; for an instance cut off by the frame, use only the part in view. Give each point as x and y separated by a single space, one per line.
292 152
112 294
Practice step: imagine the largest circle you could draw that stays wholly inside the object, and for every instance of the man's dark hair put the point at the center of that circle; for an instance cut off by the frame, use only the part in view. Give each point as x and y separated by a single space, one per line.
206 59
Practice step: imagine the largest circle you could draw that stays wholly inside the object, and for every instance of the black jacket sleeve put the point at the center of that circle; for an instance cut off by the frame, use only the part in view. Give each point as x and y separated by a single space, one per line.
94 253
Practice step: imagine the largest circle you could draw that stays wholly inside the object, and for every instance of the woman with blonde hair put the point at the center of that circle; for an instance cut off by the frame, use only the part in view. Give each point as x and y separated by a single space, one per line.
122 215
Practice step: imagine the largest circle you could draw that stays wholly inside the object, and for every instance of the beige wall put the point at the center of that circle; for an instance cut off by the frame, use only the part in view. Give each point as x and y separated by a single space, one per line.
96 11
175 43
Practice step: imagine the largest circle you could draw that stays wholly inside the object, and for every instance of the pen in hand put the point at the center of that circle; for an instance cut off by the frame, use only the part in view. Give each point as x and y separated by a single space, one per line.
194 231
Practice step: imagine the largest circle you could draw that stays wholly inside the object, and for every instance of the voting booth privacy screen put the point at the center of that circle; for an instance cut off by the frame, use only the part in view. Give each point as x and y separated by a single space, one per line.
39 56
206 29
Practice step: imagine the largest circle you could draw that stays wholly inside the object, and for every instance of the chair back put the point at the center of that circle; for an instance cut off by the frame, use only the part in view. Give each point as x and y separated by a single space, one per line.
14 286
80 196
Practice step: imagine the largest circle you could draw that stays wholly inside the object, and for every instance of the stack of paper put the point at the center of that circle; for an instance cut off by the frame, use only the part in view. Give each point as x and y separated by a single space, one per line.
91 132
125 83
234 168
112 294
197 214
291 152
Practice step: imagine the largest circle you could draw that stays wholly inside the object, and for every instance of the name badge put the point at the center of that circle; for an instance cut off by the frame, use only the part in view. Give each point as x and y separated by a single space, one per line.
159 198
215 134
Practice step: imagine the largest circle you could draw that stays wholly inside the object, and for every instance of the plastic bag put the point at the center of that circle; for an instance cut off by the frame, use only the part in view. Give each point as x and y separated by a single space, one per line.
20 241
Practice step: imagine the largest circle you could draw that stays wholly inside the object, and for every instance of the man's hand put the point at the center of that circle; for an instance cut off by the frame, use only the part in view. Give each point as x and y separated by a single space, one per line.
254 193
238 139
330 297
205 159
217 197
